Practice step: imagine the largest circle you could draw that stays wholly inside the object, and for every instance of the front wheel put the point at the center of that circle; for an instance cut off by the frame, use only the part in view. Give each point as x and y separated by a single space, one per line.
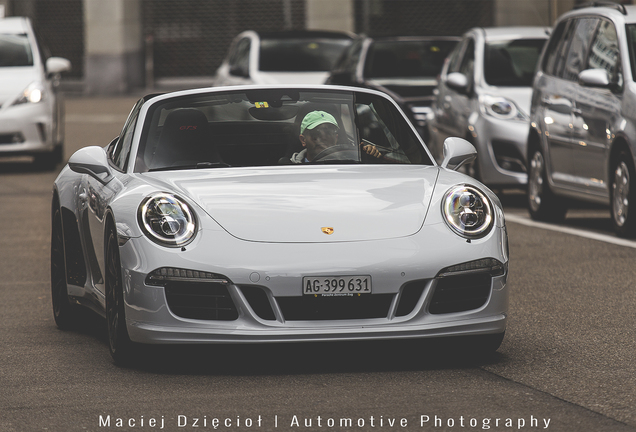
65 314
621 195
543 205
122 349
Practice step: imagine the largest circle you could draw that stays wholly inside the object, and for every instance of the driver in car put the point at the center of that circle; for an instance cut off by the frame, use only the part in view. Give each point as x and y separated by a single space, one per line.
319 132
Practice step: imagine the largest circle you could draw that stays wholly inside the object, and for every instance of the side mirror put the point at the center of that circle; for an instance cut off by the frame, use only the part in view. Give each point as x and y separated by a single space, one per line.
92 161
56 65
457 152
594 78
458 82
340 77
239 71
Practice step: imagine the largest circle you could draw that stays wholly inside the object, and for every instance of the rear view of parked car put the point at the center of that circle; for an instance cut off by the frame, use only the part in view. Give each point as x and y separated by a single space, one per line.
582 139
406 68
484 95
31 112
289 57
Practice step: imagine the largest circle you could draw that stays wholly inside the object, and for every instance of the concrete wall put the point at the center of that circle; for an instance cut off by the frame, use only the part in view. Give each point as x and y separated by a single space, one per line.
114 46
530 12
330 15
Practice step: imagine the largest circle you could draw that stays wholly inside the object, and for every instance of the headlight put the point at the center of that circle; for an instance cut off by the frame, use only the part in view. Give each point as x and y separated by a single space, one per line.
467 211
167 220
501 107
34 93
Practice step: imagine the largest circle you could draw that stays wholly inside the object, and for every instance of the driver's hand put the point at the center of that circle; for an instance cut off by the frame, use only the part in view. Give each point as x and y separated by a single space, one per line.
371 150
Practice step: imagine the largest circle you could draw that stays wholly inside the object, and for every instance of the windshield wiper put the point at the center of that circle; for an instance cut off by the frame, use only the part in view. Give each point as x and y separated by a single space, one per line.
192 166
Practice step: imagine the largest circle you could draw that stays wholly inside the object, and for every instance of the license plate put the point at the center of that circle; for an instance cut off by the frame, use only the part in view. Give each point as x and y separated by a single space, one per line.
333 286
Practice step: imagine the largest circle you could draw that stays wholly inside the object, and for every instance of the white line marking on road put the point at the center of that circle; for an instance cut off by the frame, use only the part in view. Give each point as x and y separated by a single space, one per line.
572 231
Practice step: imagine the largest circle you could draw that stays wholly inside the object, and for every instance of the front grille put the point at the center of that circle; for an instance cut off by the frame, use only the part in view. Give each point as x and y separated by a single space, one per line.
258 301
13 138
460 293
200 300
335 308
508 156
411 293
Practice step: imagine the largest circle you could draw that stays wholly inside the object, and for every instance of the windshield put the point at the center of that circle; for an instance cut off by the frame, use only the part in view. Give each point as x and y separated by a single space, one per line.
512 63
274 127
407 59
15 50
300 55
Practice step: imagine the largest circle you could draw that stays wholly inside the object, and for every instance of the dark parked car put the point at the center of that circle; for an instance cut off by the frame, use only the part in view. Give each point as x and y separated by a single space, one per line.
582 141
404 67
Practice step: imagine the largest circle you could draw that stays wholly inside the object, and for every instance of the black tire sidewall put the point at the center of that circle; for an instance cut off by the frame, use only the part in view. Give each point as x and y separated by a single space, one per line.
628 229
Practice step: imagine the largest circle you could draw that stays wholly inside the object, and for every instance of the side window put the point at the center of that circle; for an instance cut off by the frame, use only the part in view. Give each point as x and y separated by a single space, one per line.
456 56
576 55
604 52
353 57
467 65
240 58
121 150
558 40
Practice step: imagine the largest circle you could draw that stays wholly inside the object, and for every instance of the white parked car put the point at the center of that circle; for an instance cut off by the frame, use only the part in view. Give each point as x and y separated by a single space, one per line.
253 214
287 57
484 96
31 111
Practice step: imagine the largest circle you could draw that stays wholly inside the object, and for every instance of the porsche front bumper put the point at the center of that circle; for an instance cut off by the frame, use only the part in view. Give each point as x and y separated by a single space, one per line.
276 271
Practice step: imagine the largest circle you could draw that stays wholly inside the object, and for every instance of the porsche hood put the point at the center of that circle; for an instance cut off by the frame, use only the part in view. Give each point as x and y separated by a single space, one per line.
310 204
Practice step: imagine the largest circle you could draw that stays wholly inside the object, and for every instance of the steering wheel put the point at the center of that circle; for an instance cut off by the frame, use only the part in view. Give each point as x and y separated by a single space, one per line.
348 153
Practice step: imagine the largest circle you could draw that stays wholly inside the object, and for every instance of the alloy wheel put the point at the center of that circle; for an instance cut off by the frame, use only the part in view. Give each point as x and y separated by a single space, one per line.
620 194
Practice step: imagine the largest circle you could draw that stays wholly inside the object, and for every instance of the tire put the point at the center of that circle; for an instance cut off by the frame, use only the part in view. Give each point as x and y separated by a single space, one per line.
122 349
543 205
622 190
65 314
49 161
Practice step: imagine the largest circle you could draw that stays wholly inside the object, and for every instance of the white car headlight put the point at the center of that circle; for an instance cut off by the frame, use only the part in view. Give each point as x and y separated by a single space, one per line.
34 93
167 220
467 211
501 108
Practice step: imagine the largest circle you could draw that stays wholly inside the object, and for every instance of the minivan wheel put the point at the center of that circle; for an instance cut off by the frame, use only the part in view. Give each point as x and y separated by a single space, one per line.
622 191
542 203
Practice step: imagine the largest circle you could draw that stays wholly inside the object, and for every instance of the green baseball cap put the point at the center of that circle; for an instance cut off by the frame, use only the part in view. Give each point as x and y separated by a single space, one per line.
316 118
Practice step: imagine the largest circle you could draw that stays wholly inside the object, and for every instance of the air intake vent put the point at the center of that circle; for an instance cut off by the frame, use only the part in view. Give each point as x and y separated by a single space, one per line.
460 293
200 300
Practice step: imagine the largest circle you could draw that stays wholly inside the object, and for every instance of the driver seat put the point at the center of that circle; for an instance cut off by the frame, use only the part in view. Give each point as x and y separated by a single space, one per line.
185 138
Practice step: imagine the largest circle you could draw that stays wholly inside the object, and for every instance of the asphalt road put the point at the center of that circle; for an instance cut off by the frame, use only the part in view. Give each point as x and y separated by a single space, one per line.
567 363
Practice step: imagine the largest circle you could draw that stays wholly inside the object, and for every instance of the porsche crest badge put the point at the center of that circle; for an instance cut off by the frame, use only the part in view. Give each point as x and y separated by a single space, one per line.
327 230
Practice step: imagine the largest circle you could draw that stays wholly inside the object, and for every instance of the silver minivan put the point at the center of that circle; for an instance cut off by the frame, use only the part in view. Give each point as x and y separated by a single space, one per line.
484 94
582 138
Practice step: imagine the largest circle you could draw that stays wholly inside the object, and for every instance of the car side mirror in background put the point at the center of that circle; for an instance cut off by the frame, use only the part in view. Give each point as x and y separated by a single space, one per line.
239 71
457 152
92 161
340 77
458 82
57 65
594 78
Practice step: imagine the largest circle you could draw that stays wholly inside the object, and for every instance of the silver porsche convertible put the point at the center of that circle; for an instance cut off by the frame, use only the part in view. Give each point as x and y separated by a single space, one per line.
276 214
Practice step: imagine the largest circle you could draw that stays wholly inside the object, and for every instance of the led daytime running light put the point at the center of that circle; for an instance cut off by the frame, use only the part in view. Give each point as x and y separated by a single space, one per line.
489 265
168 274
